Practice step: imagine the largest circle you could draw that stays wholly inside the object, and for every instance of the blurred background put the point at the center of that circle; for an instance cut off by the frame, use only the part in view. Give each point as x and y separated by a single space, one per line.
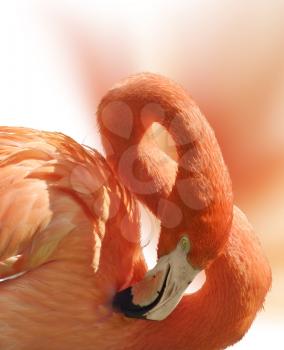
59 57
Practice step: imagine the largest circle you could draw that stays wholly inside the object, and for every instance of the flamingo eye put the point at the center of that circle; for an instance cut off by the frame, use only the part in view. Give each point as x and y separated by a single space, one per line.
185 244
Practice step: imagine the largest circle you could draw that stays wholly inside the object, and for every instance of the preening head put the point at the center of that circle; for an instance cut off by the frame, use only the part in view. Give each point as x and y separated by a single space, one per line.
191 194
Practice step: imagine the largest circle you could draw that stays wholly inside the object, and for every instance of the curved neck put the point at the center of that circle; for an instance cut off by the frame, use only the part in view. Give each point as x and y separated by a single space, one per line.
124 116
198 195
221 312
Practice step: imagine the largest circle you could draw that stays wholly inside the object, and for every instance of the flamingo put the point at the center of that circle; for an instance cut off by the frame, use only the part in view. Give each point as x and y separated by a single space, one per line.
73 274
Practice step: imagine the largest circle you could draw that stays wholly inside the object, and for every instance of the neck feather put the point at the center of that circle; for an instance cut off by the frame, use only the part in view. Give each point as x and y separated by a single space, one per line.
221 312
200 188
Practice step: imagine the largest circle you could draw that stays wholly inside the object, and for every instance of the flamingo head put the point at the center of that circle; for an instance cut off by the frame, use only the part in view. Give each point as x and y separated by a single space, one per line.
181 256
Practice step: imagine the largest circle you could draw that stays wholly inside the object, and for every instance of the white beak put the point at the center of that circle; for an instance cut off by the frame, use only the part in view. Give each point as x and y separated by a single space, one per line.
157 295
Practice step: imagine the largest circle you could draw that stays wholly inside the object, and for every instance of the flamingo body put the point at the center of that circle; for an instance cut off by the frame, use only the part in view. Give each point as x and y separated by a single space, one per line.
56 198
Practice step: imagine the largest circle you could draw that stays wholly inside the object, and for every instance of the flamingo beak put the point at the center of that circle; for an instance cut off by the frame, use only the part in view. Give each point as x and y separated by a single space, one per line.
157 295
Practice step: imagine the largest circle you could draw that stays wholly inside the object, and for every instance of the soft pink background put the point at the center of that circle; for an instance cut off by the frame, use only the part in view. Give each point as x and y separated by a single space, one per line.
59 57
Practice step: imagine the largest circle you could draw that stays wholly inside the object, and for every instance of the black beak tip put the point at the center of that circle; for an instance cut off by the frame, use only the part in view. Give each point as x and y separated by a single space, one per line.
122 302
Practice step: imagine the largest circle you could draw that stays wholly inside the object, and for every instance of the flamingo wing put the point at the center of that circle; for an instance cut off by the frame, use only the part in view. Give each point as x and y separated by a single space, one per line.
49 186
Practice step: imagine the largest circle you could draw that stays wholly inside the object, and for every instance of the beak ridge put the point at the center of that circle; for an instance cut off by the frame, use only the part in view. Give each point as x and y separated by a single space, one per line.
124 302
